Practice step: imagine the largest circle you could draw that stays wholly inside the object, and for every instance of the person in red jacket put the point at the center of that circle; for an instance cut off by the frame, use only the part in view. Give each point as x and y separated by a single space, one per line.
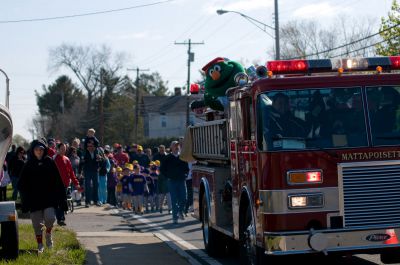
121 157
51 142
67 175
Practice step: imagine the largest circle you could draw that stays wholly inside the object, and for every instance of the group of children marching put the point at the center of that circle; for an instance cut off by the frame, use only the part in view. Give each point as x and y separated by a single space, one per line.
137 187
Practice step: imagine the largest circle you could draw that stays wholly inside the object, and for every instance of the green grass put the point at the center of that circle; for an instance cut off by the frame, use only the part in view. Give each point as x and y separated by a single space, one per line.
9 192
66 249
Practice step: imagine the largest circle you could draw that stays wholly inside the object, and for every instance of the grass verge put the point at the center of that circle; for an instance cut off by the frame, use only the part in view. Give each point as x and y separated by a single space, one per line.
66 250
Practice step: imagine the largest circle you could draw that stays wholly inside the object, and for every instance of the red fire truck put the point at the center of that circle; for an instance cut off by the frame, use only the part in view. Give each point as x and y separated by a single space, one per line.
305 161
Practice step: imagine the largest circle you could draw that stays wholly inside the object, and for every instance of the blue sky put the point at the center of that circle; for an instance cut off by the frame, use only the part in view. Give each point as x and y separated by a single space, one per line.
147 35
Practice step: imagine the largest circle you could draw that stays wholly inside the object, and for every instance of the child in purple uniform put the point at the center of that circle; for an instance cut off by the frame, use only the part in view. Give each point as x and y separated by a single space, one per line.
149 194
126 183
154 176
139 186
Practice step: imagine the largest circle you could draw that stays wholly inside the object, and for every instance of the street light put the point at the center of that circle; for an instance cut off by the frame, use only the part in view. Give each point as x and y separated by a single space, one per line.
264 27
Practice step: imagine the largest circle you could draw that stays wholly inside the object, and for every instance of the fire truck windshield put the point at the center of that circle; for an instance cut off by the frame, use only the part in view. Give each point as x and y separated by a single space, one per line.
384 112
315 119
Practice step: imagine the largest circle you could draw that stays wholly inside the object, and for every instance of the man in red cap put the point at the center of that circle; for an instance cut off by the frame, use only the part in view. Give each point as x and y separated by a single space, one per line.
121 157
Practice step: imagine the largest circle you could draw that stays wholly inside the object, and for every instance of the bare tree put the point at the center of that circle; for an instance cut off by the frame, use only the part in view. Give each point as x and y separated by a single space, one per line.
307 39
86 63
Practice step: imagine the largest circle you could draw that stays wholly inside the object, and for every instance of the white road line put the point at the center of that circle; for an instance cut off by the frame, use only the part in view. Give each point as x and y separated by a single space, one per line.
175 247
175 239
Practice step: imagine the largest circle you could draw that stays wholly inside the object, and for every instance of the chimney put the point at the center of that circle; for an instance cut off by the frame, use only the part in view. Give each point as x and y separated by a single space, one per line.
178 91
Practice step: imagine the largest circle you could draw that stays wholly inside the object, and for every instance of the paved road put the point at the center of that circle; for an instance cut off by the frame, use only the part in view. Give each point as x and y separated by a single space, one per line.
109 239
184 238
187 235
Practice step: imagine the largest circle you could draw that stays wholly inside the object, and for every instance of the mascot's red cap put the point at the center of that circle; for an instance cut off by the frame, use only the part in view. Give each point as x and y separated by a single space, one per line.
216 60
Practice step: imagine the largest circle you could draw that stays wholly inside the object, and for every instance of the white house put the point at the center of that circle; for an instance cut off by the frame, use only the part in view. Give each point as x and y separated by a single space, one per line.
165 116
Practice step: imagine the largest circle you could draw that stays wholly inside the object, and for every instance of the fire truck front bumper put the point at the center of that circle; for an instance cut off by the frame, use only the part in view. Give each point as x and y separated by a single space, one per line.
325 241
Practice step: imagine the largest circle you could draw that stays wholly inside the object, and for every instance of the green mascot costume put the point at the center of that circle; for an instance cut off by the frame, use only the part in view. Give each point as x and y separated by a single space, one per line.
220 74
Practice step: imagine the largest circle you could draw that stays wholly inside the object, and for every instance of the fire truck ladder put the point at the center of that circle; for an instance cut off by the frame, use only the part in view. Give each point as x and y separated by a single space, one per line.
210 140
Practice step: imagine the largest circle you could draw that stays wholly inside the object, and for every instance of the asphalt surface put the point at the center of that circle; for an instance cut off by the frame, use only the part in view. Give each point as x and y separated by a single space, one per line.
188 236
109 239
113 236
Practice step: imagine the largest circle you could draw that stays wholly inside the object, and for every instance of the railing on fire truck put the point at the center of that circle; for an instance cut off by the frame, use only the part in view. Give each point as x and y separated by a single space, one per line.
210 140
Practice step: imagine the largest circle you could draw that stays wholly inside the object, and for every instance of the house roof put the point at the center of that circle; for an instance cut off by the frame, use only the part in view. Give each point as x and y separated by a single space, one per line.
164 104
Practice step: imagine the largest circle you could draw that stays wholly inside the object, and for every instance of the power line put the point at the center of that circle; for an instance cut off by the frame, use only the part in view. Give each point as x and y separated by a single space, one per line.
365 47
231 44
163 51
194 27
347 44
84 14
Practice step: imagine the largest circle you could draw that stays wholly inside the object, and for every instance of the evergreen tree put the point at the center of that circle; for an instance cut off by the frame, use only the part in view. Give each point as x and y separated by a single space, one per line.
390 32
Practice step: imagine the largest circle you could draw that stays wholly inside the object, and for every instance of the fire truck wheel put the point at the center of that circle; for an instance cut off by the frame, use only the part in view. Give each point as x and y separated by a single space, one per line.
250 254
213 240
9 239
391 257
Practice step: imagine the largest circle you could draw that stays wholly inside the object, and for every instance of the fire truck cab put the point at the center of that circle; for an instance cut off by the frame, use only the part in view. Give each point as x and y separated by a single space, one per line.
305 161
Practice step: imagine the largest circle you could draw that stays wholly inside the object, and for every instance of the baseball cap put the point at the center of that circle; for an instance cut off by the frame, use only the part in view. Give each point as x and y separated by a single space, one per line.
173 143
128 166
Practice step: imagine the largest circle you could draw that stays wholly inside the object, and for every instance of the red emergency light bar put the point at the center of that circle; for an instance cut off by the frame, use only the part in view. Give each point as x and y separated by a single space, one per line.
328 65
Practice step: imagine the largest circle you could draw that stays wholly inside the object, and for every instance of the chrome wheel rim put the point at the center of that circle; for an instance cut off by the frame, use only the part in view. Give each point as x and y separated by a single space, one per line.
249 241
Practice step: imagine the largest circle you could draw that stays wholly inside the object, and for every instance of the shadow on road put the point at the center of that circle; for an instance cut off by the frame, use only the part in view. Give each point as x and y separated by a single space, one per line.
129 253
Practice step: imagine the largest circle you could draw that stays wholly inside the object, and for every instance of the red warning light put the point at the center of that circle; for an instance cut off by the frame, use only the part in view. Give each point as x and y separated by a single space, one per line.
315 176
395 61
287 67
194 88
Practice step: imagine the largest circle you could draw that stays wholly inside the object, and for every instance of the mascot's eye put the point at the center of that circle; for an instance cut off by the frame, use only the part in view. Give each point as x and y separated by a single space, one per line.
210 73
217 68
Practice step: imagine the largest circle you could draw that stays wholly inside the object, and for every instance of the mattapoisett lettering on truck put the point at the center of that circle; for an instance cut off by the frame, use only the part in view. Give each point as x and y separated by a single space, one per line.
305 161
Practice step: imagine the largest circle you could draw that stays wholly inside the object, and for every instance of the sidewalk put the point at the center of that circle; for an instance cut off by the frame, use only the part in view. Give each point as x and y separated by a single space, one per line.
117 244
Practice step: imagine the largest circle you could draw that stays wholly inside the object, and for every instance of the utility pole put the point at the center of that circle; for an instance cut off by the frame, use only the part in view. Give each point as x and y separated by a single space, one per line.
190 59
277 47
138 70
101 106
